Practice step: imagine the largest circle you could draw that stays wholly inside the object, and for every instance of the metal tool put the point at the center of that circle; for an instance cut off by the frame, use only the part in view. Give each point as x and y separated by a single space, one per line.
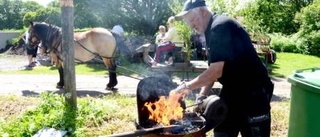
146 131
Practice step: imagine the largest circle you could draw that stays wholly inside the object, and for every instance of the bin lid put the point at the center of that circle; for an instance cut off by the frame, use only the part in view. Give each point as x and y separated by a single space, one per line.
310 76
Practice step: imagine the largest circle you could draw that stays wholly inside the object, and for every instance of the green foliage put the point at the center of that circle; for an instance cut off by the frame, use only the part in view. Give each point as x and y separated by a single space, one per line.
10 14
309 33
29 16
184 31
29 6
47 114
140 17
277 16
307 40
224 7
50 15
54 112
281 43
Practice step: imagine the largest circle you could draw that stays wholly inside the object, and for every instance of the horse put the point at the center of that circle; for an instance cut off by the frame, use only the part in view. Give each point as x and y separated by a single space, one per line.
87 45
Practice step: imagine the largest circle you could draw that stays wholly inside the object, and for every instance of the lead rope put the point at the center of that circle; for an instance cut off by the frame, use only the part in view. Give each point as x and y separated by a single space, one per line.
122 67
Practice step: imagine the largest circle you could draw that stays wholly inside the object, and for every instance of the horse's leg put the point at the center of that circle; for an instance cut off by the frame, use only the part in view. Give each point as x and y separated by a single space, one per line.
112 68
60 84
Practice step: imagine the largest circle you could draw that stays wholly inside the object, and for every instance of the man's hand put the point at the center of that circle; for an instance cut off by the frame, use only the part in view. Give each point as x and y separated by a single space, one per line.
181 89
199 101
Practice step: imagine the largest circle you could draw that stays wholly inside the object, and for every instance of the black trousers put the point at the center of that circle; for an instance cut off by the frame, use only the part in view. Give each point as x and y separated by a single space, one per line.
251 119
256 126
32 51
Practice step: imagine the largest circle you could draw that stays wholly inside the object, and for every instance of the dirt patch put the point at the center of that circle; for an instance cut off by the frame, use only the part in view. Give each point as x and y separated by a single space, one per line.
12 106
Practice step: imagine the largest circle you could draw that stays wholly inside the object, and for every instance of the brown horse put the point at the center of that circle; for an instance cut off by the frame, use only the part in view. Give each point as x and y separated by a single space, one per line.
87 45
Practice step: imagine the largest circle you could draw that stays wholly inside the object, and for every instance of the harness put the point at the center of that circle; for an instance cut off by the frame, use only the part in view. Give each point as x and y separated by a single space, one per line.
56 51
94 53
55 47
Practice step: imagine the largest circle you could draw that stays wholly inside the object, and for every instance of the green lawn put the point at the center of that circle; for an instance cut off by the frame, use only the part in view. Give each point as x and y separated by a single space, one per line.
287 63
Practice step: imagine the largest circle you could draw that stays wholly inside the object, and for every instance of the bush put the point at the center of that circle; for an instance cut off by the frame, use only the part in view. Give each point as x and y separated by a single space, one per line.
309 34
312 43
281 43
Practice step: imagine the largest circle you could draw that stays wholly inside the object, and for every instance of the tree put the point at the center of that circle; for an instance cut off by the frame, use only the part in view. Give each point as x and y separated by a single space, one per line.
10 14
138 16
228 7
275 15
144 16
30 6
309 33
50 15
54 3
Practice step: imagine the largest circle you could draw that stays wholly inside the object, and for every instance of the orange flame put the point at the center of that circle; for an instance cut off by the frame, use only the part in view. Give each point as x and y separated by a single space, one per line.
165 109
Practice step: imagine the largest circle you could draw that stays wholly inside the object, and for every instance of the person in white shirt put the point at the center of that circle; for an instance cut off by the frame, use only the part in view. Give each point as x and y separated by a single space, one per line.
161 34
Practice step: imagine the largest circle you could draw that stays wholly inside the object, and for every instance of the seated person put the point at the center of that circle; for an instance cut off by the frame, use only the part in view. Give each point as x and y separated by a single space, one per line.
161 34
170 42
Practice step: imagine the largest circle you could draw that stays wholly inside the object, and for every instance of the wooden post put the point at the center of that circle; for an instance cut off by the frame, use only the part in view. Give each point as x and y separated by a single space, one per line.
68 52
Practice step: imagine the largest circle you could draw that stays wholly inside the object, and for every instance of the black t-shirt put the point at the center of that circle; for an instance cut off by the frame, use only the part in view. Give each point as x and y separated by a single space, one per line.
243 71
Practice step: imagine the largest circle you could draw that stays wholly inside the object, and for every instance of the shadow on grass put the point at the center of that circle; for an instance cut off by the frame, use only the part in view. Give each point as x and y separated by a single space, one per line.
80 93
272 68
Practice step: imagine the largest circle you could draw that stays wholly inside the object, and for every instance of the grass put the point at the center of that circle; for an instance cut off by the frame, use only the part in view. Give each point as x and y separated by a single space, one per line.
280 118
95 116
88 69
287 63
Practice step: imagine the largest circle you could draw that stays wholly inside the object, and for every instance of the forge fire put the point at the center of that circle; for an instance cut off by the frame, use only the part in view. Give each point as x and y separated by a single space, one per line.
166 109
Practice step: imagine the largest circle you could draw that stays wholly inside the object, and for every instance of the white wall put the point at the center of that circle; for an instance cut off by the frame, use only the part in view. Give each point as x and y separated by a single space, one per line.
4 36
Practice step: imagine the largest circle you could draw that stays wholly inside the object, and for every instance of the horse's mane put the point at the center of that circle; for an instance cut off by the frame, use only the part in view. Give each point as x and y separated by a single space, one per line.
42 28
49 34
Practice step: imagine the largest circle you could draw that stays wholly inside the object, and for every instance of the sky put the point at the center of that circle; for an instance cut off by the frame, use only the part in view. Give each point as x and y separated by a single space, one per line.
41 2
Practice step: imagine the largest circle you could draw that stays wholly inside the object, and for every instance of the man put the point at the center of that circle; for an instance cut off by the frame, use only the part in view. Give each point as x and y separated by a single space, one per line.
32 51
233 61
119 30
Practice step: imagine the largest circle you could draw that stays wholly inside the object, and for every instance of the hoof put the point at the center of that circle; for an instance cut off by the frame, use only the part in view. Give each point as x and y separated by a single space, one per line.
59 86
112 88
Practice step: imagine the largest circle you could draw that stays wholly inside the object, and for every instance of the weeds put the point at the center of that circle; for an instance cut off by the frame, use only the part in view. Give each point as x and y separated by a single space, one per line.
99 116
52 112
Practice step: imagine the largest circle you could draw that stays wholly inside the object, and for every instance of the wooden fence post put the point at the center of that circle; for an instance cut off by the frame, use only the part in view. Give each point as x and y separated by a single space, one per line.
68 52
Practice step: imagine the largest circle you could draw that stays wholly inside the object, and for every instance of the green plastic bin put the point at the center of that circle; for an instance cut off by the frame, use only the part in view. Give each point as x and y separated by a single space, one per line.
304 118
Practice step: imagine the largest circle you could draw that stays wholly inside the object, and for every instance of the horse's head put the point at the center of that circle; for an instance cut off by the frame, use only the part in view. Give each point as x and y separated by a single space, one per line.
32 39
44 33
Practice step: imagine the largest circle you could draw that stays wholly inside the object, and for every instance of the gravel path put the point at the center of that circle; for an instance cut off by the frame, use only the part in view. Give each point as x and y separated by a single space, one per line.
86 84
